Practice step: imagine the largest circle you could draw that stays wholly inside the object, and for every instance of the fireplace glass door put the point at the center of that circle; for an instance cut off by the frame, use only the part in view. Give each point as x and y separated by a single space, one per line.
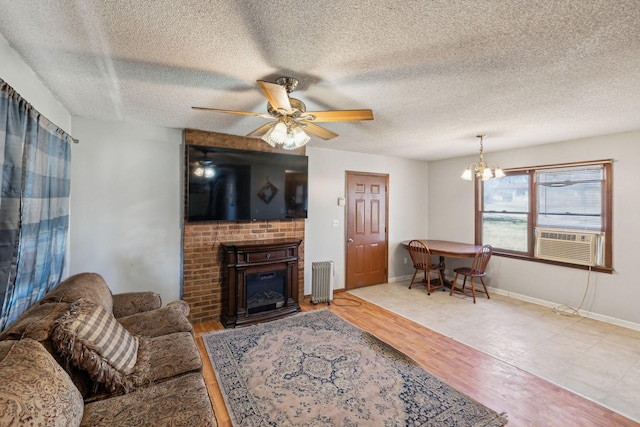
265 291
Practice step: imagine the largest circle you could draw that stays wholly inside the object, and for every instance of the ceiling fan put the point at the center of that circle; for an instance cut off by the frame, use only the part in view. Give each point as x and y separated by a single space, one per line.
292 117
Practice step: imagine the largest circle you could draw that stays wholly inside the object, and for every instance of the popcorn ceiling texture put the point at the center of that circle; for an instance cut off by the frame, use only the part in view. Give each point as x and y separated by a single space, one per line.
435 73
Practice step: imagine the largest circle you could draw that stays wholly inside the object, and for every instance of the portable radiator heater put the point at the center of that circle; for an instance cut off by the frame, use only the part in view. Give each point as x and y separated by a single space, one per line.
321 281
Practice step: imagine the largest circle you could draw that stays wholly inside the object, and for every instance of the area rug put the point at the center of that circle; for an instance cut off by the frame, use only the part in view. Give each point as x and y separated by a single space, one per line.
316 369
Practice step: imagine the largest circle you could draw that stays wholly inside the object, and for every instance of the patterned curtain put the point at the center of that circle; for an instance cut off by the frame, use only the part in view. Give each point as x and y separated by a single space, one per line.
34 204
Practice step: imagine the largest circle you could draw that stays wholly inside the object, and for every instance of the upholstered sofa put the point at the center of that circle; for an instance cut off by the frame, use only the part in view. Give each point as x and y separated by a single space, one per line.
82 356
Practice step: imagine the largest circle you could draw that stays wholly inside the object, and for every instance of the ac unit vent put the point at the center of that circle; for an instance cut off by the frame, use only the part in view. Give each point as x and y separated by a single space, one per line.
576 247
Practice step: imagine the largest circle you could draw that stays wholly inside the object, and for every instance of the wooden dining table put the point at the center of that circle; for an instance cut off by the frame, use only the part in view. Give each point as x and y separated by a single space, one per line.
446 249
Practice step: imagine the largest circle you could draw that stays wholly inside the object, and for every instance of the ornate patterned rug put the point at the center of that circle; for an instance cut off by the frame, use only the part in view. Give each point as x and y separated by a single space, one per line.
316 369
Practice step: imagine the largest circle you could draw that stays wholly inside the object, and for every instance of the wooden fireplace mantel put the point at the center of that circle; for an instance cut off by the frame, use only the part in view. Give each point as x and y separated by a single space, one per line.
242 259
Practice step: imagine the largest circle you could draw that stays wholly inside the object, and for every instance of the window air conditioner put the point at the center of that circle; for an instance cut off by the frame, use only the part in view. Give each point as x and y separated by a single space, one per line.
576 247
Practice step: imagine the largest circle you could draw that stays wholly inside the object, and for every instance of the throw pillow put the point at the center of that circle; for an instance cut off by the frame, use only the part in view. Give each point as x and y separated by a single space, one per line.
92 339
35 390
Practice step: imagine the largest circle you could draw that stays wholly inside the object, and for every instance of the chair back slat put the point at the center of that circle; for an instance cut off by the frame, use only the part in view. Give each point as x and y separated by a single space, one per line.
420 254
481 260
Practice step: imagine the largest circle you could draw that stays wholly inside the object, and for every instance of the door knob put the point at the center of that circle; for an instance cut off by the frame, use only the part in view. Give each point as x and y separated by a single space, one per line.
349 240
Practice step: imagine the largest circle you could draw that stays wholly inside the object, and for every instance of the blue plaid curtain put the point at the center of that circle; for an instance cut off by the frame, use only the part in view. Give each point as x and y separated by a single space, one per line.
34 204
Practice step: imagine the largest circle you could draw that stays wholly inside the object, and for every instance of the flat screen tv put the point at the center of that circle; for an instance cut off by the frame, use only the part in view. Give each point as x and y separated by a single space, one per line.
239 185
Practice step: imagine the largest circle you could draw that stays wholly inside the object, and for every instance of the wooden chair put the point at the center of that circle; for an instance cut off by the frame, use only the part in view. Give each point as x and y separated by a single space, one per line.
477 269
421 258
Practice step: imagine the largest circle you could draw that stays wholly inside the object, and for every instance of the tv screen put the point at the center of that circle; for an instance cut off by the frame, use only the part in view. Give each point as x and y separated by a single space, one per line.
239 185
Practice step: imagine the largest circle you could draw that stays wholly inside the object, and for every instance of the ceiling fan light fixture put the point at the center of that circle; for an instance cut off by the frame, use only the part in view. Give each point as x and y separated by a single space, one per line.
204 168
290 135
276 135
482 170
291 116
296 138
279 133
299 136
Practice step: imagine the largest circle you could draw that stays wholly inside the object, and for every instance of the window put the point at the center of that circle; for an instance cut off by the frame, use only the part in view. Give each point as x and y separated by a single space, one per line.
574 199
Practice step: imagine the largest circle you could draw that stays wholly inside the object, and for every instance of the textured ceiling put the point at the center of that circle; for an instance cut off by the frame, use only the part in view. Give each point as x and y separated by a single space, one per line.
435 73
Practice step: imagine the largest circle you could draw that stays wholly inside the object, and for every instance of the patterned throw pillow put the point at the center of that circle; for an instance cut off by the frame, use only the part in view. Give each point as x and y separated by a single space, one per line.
92 339
35 390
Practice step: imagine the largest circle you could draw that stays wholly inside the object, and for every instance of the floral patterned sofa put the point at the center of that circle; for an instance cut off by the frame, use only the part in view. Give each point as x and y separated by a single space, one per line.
84 357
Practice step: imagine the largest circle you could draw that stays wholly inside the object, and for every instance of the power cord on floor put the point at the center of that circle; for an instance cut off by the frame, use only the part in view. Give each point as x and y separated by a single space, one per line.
355 303
566 310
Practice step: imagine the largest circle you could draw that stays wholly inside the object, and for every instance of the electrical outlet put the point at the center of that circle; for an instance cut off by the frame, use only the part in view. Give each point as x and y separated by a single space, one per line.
335 223
405 260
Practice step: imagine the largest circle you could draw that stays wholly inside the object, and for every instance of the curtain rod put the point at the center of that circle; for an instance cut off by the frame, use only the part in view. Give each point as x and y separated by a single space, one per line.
6 87
561 165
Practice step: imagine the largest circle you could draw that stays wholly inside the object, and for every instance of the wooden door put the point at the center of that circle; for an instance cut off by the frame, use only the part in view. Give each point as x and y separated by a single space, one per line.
366 229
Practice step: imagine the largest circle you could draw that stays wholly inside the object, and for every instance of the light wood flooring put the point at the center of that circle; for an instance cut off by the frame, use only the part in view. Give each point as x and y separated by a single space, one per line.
528 400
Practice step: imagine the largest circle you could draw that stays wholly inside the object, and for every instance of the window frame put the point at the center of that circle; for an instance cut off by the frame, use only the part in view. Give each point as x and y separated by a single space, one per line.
607 217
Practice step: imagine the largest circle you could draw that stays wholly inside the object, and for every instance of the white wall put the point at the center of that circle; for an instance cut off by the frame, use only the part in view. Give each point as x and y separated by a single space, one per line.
21 78
126 202
126 205
407 208
610 297
125 192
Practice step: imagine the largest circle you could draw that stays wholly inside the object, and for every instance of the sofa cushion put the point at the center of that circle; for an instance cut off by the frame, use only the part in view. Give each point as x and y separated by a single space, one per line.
169 356
130 303
181 401
92 339
162 321
35 390
159 359
84 285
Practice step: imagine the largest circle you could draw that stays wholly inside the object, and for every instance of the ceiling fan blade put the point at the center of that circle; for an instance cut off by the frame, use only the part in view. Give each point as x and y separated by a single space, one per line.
243 113
261 130
339 115
276 95
318 131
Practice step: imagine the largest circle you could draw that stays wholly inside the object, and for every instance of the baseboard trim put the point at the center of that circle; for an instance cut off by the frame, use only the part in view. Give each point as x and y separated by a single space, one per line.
544 303
583 313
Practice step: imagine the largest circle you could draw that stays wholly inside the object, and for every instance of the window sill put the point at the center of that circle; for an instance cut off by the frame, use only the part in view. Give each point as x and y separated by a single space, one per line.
600 269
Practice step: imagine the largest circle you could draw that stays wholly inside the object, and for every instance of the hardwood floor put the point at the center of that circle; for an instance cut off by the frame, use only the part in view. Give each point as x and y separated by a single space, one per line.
527 399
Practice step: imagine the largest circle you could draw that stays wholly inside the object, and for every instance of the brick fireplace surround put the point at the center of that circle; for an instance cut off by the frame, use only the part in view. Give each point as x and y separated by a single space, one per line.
202 257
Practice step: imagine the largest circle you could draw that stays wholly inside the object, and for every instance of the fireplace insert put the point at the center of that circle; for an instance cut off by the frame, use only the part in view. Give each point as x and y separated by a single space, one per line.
265 291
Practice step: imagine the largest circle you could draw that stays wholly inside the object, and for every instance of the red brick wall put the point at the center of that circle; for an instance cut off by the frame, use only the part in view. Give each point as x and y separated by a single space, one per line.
202 273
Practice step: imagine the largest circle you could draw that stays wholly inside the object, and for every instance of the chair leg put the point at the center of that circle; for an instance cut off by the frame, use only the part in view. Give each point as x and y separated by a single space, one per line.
453 284
427 281
473 290
485 288
413 278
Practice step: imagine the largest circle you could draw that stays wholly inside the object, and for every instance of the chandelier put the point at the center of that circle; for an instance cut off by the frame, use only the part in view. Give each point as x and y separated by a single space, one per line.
482 170
286 132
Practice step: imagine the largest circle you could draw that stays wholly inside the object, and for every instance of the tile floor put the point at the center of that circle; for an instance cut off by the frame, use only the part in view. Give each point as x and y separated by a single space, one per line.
597 360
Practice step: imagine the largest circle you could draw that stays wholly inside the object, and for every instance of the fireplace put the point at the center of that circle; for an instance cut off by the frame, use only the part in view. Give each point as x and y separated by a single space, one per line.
260 281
